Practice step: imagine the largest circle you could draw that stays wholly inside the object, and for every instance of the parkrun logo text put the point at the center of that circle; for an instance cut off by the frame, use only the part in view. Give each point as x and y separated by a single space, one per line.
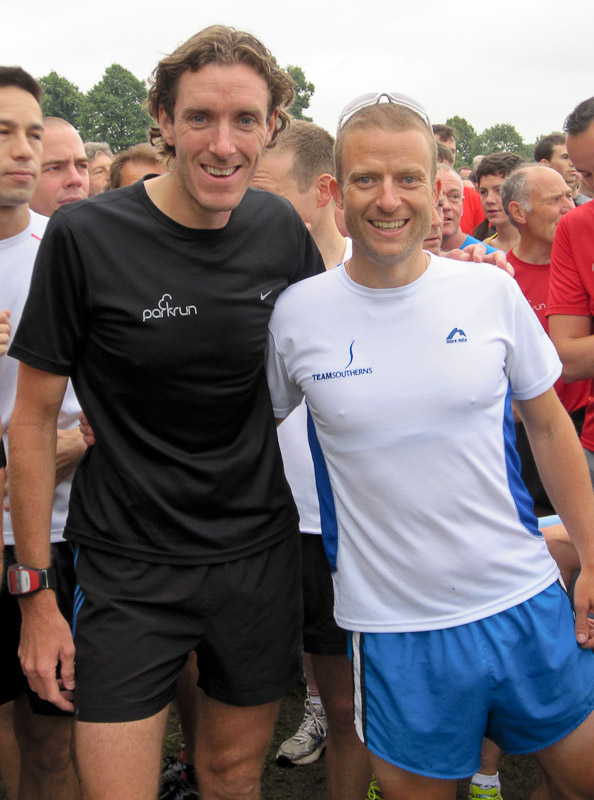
164 309
343 373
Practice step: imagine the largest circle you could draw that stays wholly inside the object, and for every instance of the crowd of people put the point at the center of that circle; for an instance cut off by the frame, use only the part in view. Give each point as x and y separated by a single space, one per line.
422 339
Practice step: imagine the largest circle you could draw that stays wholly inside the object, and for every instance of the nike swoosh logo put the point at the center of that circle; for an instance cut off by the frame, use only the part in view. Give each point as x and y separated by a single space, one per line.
264 296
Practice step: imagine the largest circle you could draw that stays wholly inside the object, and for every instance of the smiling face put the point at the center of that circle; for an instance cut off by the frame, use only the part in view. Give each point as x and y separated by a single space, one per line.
21 132
388 194
219 129
64 170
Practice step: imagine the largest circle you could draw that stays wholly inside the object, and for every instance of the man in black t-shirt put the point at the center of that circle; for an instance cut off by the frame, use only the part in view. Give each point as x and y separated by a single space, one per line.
155 300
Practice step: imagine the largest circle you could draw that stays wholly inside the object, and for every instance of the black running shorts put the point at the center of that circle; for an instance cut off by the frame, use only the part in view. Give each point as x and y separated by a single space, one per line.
321 634
136 622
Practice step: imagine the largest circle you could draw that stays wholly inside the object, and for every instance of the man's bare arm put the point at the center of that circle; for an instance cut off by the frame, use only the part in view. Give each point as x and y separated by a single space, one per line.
45 634
562 467
572 336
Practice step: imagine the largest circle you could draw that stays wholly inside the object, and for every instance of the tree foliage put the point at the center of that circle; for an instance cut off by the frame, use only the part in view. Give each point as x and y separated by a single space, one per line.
304 90
113 112
61 98
500 137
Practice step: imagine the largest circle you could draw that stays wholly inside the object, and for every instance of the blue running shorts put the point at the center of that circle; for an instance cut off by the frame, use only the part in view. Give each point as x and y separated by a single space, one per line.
424 700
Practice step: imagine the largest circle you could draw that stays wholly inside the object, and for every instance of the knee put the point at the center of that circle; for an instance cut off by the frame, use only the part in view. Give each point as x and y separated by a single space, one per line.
44 746
339 711
235 775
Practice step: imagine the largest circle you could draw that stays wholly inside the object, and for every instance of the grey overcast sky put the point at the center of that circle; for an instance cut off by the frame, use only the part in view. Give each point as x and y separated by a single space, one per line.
513 61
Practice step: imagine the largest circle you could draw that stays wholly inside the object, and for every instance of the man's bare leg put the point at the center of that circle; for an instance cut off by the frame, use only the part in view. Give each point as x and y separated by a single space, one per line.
9 752
348 768
231 745
397 784
569 766
47 771
186 703
120 760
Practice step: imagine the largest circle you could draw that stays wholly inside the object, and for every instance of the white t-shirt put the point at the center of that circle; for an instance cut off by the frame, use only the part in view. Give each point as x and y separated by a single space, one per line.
17 256
425 519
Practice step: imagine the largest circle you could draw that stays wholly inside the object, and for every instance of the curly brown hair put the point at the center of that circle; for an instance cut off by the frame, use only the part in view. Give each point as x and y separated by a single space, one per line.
217 44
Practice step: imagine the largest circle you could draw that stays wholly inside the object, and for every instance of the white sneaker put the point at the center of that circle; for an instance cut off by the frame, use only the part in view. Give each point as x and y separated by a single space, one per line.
308 743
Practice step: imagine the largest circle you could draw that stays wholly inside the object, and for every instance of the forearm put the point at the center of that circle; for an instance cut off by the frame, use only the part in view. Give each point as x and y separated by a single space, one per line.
70 449
566 478
32 482
572 336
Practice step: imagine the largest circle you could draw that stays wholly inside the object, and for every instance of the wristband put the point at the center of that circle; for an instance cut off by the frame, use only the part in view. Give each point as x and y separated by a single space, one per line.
27 580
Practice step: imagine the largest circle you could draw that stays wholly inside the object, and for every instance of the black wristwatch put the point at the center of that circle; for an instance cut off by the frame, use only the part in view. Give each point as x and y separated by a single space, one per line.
27 580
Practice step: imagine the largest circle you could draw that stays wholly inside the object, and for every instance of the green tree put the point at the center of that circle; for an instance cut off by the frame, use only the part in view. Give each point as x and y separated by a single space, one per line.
304 90
465 141
61 98
113 112
500 137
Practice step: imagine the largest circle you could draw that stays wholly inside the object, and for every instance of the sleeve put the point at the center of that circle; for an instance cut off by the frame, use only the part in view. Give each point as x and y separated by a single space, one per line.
567 293
284 392
55 316
532 363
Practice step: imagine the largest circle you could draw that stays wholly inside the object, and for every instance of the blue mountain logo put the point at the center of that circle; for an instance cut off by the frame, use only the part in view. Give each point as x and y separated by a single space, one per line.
456 336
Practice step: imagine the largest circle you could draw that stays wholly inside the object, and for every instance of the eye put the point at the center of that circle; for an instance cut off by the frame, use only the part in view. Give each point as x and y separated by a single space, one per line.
410 180
247 121
198 119
364 180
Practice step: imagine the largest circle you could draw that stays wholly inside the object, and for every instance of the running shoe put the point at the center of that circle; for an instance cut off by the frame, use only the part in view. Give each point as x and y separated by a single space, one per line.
477 792
308 744
374 792
177 781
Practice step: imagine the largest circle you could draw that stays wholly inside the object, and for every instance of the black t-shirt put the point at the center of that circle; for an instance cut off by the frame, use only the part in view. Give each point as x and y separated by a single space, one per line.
162 329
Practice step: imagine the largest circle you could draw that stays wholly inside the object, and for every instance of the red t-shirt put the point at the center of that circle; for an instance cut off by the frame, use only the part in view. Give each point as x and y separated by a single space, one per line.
571 289
472 210
534 283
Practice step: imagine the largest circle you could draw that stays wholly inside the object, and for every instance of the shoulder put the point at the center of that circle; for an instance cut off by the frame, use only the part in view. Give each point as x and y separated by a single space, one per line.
481 277
257 201
578 218
309 291
38 224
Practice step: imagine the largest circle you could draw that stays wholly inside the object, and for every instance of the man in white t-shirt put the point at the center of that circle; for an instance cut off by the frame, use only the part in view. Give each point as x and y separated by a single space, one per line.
409 363
43 733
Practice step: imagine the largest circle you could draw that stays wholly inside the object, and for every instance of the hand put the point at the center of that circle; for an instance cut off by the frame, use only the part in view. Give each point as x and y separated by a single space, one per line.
86 430
46 641
478 254
583 602
70 448
4 331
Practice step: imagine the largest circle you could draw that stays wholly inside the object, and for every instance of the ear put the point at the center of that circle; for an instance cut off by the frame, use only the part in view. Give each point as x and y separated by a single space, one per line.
271 126
336 192
516 212
323 192
166 126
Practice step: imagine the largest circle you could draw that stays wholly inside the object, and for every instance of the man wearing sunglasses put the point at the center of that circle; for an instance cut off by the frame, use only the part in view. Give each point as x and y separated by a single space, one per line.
408 362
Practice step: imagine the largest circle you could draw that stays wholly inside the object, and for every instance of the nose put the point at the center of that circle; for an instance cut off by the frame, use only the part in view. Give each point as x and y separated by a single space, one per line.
388 198
222 144
73 176
21 148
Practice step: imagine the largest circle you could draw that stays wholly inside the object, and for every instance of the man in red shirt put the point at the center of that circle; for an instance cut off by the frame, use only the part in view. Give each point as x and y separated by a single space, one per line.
571 299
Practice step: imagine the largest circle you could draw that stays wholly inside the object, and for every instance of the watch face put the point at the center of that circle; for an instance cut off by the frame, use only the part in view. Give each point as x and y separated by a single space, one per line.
22 580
